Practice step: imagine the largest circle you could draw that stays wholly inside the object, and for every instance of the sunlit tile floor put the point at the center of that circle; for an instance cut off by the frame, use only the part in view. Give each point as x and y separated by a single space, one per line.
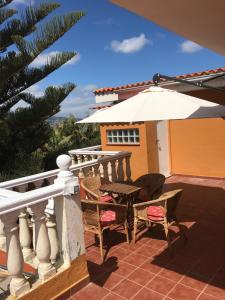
147 271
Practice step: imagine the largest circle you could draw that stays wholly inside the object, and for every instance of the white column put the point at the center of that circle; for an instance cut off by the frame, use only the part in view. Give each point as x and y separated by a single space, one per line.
128 169
25 235
18 284
68 213
113 168
42 243
120 171
2 236
53 238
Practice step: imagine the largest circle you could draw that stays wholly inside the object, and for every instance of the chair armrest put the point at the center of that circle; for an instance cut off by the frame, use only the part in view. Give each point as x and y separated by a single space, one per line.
103 204
163 197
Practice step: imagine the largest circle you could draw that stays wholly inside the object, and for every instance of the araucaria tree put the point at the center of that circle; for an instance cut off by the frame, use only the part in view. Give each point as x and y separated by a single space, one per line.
25 130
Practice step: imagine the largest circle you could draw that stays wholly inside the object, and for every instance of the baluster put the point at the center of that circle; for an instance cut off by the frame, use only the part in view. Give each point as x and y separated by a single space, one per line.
18 284
53 238
73 159
79 159
128 169
96 169
25 235
22 188
120 171
85 157
113 170
92 157
105 170
42 243
38 183
2 236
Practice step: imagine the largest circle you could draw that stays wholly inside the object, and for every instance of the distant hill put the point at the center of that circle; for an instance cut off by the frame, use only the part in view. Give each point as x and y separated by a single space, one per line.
55 120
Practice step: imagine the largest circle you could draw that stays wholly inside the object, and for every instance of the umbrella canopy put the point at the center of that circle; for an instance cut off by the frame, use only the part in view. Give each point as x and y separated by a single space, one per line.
157 103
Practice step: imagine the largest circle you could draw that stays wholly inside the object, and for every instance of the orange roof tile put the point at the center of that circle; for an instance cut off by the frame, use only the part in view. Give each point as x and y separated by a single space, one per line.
143 83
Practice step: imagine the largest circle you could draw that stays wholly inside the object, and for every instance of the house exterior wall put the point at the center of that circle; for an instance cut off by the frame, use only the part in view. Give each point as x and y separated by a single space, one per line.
198 147
141 162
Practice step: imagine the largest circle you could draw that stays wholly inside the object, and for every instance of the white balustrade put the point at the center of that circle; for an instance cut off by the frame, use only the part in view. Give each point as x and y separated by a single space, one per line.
53 238
18 283
25 235
42 243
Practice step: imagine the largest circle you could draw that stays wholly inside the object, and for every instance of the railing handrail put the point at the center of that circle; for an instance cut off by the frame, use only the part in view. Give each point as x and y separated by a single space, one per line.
14 201
45 175
84 152
89 148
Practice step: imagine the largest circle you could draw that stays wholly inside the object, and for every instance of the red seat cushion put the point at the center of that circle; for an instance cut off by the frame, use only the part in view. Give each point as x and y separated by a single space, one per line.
108 217
155 213
106 198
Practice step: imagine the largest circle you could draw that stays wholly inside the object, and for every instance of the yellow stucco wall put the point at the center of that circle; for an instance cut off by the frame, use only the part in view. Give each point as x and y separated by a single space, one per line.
198 147
140 159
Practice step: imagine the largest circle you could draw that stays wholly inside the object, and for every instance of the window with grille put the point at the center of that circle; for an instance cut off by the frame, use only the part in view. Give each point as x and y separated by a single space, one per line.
123 136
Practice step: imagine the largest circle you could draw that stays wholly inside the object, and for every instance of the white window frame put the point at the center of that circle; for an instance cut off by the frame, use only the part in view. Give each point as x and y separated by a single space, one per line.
123 136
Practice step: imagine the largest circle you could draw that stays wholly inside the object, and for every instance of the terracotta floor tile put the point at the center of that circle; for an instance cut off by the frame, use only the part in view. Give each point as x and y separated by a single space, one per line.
161 285
120 253
135 259
146 251
126 289
181 292
91 291
124 269
112 296
150 266
146 294
170 274
108 280
140 276
207 297
216 289
195 283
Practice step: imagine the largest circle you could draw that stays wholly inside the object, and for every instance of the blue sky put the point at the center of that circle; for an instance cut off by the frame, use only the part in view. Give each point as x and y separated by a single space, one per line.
116 47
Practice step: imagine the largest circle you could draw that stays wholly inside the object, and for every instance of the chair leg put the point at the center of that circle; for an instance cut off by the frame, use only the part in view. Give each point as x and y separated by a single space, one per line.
101 245
126 232
134 231
165 225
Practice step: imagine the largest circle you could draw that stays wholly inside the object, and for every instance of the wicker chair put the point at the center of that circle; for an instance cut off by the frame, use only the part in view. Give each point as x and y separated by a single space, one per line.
91 186
151 184
99 216
161 211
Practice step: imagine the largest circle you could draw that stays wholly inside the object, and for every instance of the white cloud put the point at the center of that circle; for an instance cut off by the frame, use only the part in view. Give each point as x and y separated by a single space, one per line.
79 101
190 47
35 90
130 45
43 59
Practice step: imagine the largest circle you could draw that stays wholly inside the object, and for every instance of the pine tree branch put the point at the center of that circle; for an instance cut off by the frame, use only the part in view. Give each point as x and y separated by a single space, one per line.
8 105
4 2
5 14
29 76
26 24
41 108
45 37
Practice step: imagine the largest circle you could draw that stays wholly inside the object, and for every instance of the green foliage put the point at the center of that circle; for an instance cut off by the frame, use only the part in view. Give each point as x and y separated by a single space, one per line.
68 135
25 131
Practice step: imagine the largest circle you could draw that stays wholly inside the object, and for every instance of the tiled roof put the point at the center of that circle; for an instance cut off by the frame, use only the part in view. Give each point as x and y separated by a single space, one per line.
148 82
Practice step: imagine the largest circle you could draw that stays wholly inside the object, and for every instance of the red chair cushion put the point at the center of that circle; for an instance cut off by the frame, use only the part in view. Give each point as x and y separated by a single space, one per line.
106 198
155 213
108 217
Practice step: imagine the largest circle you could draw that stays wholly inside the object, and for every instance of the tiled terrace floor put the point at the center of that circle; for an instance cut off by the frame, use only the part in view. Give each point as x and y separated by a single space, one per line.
146 271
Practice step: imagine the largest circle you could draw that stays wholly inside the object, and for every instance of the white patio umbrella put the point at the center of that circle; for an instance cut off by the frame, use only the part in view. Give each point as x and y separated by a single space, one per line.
157 103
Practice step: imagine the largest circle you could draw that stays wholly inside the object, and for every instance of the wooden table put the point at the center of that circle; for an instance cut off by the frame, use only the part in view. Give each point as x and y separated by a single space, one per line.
126 193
